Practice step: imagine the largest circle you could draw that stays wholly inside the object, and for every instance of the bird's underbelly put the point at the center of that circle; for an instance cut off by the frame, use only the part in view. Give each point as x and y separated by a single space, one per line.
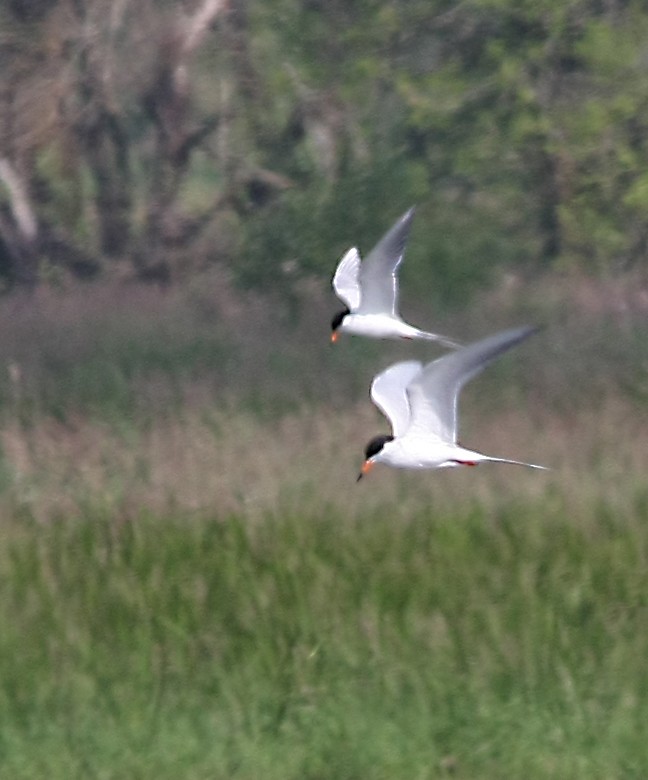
422 454
376 326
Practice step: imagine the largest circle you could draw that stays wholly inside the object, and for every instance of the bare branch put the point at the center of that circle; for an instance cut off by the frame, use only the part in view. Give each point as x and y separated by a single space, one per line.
19 200
198 24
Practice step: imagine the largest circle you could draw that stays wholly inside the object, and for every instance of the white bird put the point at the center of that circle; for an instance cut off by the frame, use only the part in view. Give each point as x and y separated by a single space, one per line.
370 291
421 404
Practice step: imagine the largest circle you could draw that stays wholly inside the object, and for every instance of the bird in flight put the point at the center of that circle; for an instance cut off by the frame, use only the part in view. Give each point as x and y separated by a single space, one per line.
370 291
421 404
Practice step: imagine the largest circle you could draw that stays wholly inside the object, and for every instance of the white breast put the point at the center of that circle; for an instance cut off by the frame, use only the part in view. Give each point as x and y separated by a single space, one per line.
378 326
418 452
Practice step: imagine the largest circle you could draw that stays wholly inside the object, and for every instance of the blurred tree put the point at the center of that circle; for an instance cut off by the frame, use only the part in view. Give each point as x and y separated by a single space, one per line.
155 136
101 131
536 113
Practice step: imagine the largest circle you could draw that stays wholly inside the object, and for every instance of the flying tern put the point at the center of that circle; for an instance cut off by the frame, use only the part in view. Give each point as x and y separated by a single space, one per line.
370 291
421 404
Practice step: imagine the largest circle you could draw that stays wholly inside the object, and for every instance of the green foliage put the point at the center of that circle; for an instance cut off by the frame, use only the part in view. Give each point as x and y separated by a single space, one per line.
310 126
312 646
302 236
451 253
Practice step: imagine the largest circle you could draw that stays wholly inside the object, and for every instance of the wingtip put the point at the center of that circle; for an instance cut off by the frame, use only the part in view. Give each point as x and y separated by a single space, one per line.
524 332
352 250
409 214
405 218
536 328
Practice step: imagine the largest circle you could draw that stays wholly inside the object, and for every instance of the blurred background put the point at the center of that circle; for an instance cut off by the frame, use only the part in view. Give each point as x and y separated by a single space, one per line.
191 583
179 179
159 140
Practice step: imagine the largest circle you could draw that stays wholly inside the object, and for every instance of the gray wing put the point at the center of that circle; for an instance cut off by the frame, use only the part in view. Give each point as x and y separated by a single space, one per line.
388 392
378 280
345 281
433 395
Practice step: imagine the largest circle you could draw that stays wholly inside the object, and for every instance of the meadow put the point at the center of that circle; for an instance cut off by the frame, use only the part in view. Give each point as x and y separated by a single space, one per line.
192 585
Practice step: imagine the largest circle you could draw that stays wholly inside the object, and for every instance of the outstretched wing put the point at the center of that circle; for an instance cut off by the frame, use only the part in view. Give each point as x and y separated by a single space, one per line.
345 281
388 392
378 273
433 394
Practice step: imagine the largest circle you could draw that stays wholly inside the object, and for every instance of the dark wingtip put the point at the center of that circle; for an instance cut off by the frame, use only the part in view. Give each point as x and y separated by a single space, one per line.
525 331
532 330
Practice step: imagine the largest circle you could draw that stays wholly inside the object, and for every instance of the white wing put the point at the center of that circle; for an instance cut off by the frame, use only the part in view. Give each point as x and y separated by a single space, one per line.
388 393
345 281
378 280
433 395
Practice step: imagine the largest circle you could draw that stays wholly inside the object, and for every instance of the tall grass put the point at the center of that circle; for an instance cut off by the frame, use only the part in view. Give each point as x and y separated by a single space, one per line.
192 585
313 646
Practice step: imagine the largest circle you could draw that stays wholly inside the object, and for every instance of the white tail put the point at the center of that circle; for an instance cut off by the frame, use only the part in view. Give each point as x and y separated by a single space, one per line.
440 339
516 463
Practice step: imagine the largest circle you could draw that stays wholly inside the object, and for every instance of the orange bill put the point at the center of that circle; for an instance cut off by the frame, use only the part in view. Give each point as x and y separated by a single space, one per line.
366 468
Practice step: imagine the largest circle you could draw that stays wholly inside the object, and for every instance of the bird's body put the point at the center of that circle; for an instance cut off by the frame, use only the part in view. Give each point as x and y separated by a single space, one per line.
385 326
421 404
369 289
419 452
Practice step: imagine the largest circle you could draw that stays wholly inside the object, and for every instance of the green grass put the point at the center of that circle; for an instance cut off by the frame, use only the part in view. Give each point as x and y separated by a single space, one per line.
193 586
494 645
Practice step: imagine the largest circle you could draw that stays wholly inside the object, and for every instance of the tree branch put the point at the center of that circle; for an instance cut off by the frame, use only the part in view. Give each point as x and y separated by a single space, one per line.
21 208
196 26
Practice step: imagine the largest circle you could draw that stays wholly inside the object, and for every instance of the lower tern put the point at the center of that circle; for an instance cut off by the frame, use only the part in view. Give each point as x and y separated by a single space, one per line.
370 291
421 404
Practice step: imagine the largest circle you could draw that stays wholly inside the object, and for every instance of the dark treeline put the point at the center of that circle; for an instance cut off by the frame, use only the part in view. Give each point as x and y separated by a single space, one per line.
153 138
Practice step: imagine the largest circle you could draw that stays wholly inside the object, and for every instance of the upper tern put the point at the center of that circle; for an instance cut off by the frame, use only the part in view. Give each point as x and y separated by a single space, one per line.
370 291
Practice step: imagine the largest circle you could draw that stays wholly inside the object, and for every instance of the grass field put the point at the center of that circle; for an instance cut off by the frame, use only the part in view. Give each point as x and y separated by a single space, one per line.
193 586
493 644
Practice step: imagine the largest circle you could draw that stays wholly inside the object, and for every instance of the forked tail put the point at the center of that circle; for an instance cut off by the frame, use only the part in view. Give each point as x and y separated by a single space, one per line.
516 463
444 340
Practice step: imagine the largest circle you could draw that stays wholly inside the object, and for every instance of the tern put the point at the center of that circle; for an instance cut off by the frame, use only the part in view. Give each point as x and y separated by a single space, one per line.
421 404
370 291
